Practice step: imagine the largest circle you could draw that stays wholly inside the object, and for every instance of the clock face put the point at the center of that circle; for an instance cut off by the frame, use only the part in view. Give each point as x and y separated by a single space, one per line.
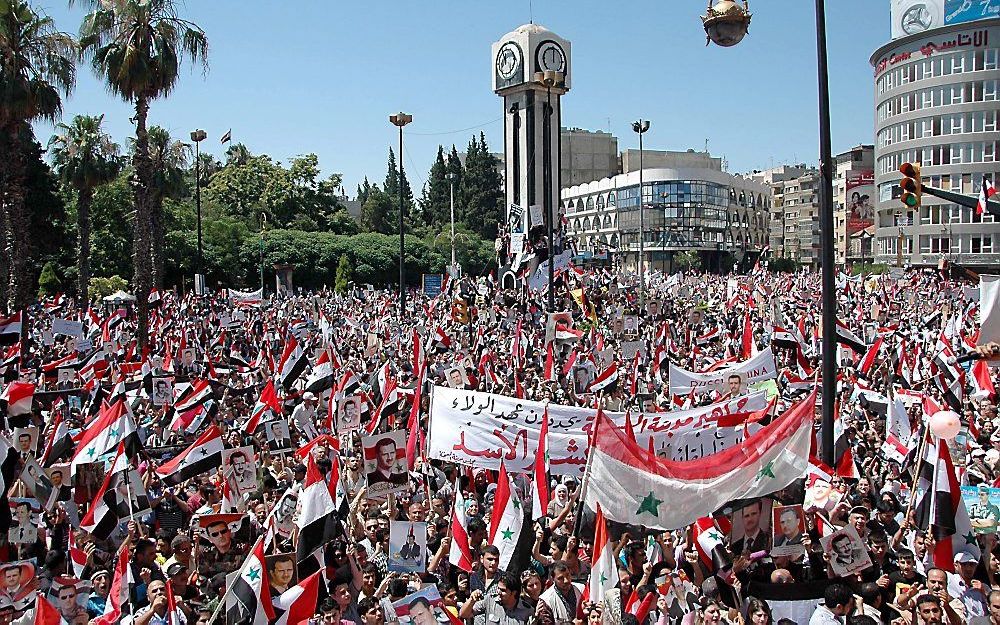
551 57
508 61
917 19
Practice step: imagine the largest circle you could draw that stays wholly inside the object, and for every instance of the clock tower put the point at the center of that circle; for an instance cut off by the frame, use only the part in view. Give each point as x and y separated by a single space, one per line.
531 72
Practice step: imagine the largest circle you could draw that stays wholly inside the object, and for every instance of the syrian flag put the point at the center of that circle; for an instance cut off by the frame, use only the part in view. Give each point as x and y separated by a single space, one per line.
252 590
107 511
293 363
112 427
747 344
298 603
10 328
440 340
943 510
226 138
349 384
540 484
869 360
19 397
46 613
507 517
850 339
317 519
391 402
460 554
203 455
566 333
604 570
266 406
196 395
606 380
632 484
118 603
708 541
321 377
986 192
77 556
550 364
58 442
982 381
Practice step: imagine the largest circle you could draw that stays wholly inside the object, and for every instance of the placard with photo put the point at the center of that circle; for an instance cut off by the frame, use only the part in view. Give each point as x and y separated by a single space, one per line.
281 572
25 516
19 581
789 529
283 515
630 325
36 481
407 546
582 377
59 477
423 607
751 530
25 441
223 542
348 414
240 469
66 378
278 438
385 463
163 392
456 377
848 554
69 596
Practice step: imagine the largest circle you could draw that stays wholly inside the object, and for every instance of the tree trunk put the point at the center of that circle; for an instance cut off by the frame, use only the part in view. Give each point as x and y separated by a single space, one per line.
4 229
84 198
156 237
141 242
18 247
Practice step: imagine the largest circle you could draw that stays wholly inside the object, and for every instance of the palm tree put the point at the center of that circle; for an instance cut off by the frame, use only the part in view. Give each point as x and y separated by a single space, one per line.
238 154
37 65
137 47
169 158
84 158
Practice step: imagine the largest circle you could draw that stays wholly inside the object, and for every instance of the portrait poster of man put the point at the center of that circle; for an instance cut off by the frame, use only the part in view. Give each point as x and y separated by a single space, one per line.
66 378
385 463
278 438
348 414
25 516
25 440
188 357
736 385
407 547
19 581
126 495
163 392
69 596
983 504
423 607
223 542
820 494
240 470
789 528
36 481
456 377
630 325
751 530
653 308
847 552
283 515
281 572
582 377
59 478
631 348
87 481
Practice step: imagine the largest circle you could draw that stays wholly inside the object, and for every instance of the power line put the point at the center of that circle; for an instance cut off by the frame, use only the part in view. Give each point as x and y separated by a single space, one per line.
452 132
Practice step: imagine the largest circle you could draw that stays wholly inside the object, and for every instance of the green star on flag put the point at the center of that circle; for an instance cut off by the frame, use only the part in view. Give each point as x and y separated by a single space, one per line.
714 535
649 504
766 471
970 538
517 503
114 432
507 534
253 574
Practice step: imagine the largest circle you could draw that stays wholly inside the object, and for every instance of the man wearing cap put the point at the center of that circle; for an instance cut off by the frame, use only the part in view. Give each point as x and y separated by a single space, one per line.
973 593
100 583
178 575
304 416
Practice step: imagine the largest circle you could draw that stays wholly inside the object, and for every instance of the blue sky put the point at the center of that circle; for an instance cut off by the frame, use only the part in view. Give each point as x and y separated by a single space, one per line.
297 76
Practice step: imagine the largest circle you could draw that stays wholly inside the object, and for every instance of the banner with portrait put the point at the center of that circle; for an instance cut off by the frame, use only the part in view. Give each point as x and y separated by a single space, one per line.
760 367
480 429
859 203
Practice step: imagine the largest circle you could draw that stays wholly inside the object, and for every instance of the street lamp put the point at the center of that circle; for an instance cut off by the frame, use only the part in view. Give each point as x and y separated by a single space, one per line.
399 120
726 23
451 198
640 127
198 136
549 79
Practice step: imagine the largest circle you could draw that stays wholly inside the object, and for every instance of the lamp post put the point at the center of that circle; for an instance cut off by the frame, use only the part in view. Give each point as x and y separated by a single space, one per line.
198 136
451 201
263 223
549 79
640 127
399 120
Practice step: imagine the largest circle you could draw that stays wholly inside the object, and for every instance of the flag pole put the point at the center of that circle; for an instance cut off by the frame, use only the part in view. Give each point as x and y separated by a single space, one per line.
577 520
916 474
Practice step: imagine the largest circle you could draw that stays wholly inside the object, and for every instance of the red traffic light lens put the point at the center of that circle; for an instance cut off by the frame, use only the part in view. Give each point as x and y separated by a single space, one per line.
908 184
909 170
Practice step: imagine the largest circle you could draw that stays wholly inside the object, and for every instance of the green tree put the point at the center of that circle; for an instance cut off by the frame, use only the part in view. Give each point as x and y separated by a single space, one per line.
37 64
393 188
111 234
380 213
689 260
169 158
49 282
344 274
84 158
137 47
238 154
364 190
435 201
482 191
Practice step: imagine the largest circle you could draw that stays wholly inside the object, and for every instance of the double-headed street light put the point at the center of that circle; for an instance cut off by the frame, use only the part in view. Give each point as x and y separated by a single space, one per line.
726 24
640 127
399 120
549 79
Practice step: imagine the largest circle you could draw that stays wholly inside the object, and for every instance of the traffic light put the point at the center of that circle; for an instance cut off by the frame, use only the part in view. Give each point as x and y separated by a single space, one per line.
460 310
910 184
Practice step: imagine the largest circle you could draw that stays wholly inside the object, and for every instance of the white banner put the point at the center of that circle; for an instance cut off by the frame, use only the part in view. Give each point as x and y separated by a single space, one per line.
989 309
67 327
479 429
246 297
760 367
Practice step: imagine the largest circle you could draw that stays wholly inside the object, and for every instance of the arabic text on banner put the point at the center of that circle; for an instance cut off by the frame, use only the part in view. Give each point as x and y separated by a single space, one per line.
760 367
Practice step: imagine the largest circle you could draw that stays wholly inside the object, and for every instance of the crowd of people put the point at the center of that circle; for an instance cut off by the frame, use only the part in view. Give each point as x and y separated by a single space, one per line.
172 482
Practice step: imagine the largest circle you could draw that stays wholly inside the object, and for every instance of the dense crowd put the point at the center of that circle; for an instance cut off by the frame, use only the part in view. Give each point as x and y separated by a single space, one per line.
207 443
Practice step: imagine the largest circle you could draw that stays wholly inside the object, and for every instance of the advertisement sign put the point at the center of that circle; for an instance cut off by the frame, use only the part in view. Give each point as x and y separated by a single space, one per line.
860 200
910 17
959 11
432 283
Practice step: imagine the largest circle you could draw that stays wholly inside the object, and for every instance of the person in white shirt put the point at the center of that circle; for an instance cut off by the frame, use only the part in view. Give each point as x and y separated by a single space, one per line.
838 602
304 416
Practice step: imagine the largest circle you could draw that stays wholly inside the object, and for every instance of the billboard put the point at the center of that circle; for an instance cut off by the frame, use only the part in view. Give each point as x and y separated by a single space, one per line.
859 203
910 17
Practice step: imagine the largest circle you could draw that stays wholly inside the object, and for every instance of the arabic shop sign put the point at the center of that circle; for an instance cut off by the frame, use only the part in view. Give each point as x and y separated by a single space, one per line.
480 429
948 43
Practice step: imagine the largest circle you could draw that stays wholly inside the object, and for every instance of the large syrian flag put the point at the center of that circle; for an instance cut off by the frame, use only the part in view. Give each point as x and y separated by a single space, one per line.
540 484
321 378
604 571
267 405
507 517
460 554
606 380
632 485
111 427
19 397
108 508
317 519
298 603
197 394
203 455
293 363
252 590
